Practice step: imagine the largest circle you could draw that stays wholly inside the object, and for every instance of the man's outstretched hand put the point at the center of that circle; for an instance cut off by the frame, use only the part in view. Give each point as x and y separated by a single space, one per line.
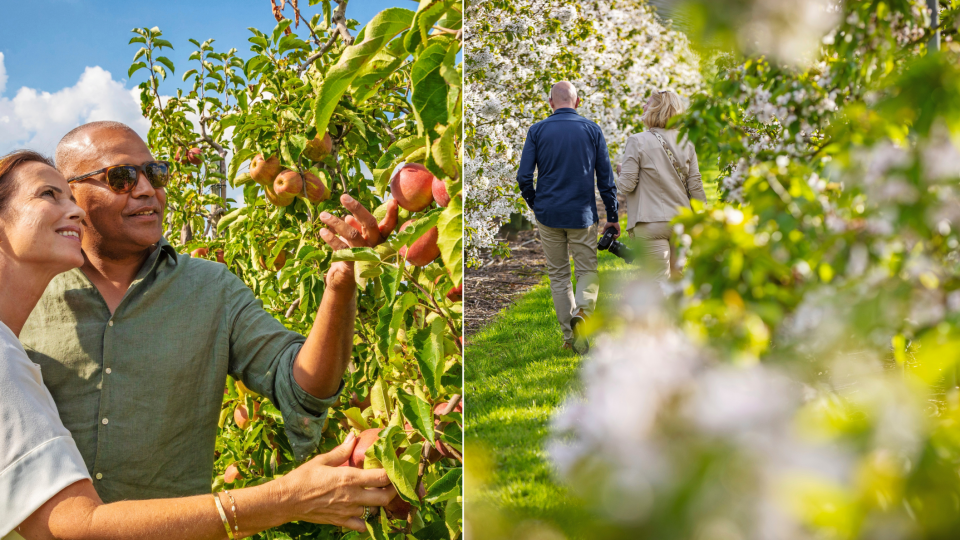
358 230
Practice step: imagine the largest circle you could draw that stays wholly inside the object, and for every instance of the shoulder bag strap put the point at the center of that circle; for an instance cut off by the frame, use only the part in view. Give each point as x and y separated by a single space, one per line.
663 143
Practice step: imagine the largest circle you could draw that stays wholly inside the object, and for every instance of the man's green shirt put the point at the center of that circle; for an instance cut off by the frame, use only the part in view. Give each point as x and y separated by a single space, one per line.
141 391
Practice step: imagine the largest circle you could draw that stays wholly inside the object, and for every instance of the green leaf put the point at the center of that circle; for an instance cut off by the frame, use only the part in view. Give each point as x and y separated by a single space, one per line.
238 159
356 121
442 160
356 254
226 220
453 517
390 317
161 43
429 354
390 279
166 61
137 39
429 12
419 413
372 75
189 73
379 399
355 416
449 486
429 96
450 241
384 26
402 473
376 530
415 231
141 52
135 67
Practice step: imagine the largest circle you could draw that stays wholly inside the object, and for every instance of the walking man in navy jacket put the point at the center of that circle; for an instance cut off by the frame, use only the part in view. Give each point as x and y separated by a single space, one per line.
568 152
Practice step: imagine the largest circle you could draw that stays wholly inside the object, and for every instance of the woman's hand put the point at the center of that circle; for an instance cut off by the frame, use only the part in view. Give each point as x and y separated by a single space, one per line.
322 492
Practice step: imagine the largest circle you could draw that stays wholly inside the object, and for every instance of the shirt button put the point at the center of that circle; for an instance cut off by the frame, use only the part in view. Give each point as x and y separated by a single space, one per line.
105 421
99 476
110 323
109 371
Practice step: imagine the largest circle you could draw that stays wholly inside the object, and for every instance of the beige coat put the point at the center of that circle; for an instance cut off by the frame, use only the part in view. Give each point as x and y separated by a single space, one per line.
651 184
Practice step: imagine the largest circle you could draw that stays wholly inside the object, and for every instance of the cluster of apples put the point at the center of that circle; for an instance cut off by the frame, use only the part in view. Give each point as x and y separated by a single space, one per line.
415 189
284 185
399 508
203 253
192 156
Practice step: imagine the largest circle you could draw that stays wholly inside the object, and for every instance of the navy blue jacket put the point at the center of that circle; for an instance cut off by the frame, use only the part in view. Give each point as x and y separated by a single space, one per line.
566 149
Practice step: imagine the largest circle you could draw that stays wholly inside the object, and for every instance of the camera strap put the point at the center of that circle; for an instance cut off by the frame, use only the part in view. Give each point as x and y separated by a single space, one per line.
663 143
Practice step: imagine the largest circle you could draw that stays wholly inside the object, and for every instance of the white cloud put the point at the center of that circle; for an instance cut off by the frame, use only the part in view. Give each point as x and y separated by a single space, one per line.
3 75
38 120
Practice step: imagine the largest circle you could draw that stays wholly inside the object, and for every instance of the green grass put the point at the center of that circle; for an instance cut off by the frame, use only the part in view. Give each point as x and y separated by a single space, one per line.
516 377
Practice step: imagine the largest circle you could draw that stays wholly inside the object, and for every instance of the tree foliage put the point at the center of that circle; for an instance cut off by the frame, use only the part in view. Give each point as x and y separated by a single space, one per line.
387 93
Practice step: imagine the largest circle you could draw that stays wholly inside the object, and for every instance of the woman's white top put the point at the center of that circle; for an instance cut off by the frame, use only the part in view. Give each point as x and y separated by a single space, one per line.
38 457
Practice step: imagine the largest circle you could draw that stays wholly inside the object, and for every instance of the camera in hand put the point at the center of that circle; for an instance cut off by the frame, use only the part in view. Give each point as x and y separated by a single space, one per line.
619 249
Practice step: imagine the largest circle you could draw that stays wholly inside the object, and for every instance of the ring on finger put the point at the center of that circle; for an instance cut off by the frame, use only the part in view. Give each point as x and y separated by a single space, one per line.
367 513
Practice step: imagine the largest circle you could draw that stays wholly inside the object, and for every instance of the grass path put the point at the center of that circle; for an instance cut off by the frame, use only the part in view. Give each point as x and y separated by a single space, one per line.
516 377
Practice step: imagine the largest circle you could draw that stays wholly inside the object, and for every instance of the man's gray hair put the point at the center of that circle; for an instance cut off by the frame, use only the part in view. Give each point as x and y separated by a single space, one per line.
564 92
66 148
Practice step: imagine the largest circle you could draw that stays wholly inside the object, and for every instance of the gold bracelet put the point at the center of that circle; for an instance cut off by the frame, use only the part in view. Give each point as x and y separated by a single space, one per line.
233 507
223 515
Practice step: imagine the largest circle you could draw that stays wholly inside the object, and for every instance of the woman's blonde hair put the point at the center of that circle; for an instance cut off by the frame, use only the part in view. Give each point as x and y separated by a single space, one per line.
663 105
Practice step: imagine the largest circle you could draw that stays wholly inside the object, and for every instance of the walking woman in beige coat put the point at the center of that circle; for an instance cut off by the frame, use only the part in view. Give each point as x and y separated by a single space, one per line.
658 175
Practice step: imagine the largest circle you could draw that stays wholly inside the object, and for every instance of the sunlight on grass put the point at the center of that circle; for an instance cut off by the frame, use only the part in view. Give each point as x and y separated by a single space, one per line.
516 376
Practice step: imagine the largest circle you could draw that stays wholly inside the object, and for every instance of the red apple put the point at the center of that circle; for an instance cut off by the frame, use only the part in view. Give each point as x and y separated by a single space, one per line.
193 156
242 417
399 508
278 264
314 190
355 401
440 192
275 199
318 148
412 187
365 440
424 250
263 171
231 474
200 253
220 258
288 184
455 294
441 451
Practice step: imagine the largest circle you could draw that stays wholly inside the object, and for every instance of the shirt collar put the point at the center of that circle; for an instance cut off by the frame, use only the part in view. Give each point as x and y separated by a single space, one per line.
565 110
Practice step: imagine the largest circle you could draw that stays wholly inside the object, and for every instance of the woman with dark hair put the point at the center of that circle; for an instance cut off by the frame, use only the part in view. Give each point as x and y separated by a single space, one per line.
45 489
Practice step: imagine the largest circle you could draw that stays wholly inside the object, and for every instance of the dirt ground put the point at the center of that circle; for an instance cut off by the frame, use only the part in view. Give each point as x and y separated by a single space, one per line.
493 286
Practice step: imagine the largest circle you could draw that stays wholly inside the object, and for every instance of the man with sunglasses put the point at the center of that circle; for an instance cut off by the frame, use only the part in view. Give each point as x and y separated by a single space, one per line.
135 345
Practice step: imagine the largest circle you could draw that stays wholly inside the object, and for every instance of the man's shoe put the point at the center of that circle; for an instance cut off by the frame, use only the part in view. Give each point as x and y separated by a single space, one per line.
580 344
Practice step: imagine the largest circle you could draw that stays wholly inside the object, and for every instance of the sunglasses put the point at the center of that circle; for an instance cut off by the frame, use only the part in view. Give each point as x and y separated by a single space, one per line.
123 178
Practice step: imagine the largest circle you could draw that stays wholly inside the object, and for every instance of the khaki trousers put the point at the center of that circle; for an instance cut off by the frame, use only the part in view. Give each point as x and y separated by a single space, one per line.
656 252
558 246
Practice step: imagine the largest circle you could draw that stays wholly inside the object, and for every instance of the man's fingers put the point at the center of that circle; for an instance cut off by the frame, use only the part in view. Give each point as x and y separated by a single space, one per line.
339 454
352 221
389 221
364 217
333 240
348 233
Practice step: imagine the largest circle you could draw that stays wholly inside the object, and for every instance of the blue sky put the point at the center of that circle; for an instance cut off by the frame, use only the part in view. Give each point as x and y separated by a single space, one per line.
65 62
48 43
